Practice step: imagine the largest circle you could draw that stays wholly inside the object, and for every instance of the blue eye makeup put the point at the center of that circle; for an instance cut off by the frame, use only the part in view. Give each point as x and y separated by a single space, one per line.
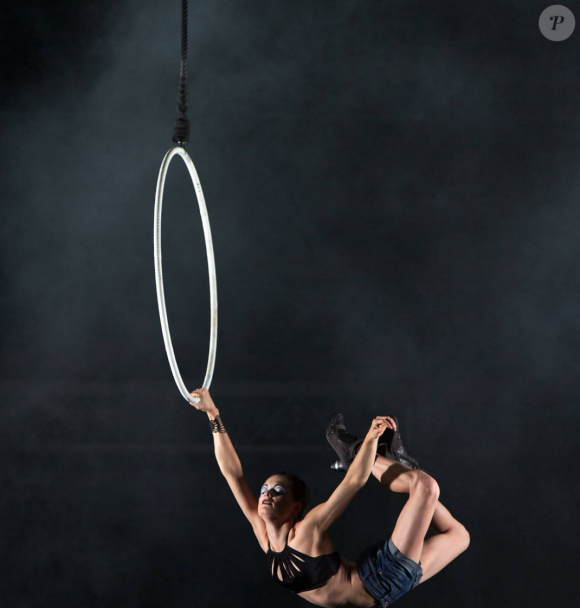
277 488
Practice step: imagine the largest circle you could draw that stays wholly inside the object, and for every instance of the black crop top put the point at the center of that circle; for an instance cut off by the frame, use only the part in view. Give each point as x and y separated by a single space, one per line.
301 572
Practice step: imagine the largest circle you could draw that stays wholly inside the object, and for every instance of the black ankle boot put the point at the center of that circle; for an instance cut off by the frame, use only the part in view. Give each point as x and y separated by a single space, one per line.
381 451
397 449
345 444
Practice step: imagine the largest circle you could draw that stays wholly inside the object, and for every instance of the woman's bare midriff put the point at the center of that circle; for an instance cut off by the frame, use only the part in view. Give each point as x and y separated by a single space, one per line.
343 590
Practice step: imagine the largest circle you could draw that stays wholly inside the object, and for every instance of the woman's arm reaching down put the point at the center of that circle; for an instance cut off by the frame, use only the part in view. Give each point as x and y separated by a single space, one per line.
229 463
326 513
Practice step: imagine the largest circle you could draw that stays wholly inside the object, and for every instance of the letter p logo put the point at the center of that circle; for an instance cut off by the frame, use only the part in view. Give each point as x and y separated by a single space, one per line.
557 23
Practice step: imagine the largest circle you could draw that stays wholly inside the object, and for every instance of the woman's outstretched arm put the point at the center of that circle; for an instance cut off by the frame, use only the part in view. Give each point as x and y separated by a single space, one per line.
231 467
362 466
225 454
326 513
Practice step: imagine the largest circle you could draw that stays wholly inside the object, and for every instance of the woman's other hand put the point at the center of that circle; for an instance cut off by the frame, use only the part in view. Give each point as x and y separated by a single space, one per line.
379 426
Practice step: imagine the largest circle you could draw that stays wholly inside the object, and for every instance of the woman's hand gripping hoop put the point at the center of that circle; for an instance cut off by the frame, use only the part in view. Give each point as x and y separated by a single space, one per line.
159 271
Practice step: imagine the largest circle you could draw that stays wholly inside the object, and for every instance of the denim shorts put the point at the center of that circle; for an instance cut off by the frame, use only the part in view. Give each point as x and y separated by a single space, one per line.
387 573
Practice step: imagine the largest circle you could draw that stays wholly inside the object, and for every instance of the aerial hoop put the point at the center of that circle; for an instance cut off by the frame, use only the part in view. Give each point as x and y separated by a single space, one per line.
178 150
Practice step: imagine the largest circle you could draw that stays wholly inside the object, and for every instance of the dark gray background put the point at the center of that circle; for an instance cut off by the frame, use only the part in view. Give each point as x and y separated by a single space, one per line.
393 193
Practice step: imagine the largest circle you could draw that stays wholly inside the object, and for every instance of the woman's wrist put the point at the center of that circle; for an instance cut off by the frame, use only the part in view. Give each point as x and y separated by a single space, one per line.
368 439
216 424
213 414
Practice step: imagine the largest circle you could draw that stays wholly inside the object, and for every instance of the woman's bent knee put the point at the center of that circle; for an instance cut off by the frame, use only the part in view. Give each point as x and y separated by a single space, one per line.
464 537
424 483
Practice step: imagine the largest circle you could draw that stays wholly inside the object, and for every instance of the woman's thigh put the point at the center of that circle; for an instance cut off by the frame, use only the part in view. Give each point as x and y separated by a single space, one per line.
415 517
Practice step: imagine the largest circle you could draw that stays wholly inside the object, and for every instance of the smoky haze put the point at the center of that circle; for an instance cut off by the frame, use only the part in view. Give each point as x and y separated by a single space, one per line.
393 196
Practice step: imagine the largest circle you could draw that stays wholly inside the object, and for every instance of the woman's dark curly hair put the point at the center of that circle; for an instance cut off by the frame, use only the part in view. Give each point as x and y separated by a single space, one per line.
300 492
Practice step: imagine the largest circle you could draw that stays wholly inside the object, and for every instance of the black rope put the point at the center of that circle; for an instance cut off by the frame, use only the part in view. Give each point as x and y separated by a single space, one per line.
181 128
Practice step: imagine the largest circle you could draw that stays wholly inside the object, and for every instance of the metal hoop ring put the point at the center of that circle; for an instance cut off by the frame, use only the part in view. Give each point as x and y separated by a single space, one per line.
159 271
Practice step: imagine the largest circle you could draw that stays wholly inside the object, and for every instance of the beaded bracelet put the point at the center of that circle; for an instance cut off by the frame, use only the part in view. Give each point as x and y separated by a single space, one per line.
217 425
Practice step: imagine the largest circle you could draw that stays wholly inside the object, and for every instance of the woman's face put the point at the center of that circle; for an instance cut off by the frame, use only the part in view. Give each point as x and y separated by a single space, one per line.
276 500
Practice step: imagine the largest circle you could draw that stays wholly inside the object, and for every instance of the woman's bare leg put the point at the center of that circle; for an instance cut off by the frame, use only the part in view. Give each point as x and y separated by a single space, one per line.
422 510
450 540
416 515
392 474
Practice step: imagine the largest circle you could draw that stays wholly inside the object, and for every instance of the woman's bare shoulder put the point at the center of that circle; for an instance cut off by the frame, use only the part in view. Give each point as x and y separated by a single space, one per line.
311 540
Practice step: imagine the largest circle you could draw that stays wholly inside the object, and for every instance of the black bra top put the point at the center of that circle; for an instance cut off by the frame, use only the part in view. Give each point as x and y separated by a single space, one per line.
301 572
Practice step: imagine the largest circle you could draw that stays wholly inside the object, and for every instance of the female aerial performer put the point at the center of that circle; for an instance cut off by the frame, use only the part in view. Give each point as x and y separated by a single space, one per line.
301 554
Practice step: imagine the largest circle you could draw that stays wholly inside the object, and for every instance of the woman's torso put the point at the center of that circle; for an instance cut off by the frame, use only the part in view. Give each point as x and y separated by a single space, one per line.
344 589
